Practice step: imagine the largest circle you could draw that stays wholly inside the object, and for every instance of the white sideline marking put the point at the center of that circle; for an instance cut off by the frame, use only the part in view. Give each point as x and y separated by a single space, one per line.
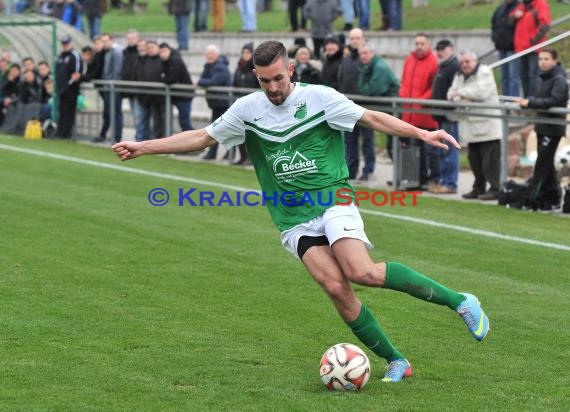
457 228
122 168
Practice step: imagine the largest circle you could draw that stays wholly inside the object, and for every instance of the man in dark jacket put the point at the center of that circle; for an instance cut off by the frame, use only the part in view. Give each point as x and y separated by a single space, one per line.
449 159
31 91
348 84
44 74
551 91
68 75
130 56
503 33
141 112
174 71
331 63
215 73
11 85
91 68
152 72
129 73
349 69
9 94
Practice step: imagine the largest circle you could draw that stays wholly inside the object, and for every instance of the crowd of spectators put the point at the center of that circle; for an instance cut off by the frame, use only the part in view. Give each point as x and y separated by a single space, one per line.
141 60
352 67
26 90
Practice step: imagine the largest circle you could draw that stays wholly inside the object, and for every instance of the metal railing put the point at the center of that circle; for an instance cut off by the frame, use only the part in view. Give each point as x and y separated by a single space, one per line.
506 110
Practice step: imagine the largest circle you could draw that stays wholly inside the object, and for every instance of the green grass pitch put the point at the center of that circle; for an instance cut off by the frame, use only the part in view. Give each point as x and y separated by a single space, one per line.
108 303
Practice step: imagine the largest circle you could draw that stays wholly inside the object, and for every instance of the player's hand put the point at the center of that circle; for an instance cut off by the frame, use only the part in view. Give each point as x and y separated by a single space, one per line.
439 138
127 150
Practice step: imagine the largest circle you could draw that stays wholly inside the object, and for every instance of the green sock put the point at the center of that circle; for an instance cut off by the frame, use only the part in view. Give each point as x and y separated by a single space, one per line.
404 279
368 330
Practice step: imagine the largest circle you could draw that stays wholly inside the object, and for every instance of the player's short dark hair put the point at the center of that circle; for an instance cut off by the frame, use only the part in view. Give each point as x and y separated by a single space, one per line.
553 53
268 53
43 63
25 59
87 49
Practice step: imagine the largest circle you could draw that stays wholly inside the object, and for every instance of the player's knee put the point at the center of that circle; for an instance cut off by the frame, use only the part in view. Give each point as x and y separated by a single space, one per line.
336 289
363 275
357 275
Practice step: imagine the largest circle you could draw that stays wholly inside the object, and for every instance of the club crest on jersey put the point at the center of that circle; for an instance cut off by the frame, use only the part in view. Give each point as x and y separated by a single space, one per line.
287 167
300 110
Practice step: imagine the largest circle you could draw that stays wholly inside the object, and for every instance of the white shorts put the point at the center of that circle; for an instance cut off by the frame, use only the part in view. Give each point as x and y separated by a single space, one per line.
335 223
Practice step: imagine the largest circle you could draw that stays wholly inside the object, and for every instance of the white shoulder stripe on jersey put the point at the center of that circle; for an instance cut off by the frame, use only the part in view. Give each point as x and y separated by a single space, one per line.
292 134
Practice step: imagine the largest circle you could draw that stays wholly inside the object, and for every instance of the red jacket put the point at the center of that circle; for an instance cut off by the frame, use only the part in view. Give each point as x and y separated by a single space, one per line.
417 80
536 15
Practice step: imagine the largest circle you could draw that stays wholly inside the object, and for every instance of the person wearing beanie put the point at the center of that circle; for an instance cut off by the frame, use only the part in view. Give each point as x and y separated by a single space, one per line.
174 71
243 75
297 44
331 62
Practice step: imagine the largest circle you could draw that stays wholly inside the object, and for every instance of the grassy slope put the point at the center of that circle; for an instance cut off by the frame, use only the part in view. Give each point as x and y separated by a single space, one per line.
110 303
440 15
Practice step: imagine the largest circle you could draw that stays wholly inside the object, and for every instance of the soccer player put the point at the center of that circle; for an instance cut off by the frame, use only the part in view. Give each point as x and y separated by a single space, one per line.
293 133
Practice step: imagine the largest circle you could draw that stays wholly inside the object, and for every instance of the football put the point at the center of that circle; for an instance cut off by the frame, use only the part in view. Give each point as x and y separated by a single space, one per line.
345 367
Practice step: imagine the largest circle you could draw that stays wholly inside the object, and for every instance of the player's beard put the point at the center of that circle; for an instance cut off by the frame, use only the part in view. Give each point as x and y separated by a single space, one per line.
277 98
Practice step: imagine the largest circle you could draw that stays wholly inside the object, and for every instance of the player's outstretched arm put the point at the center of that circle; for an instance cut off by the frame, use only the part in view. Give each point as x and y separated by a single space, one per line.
391 125
188 141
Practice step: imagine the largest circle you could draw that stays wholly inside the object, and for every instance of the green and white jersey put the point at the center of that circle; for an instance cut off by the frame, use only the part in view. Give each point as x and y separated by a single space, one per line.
297 148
